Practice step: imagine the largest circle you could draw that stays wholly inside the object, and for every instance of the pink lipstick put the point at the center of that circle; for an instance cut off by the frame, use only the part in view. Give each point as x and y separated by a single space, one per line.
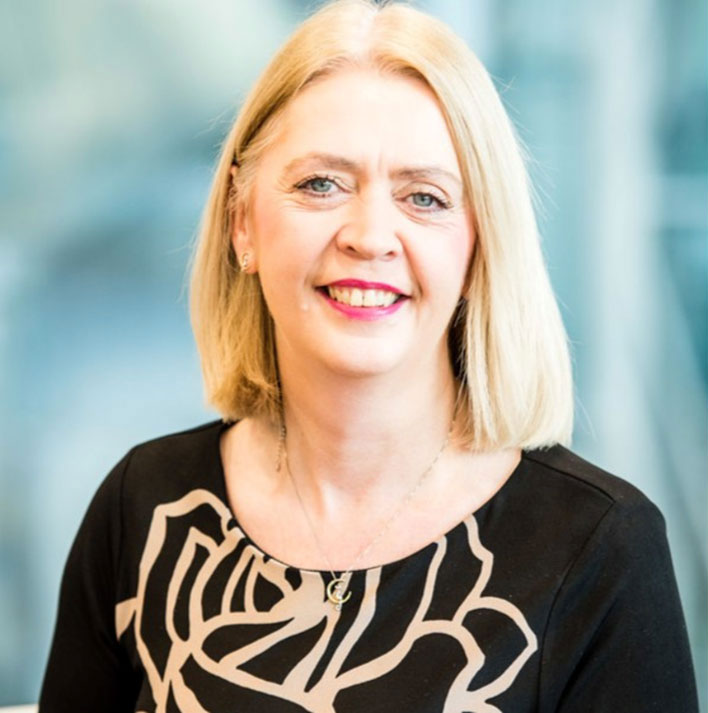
364 285
370 313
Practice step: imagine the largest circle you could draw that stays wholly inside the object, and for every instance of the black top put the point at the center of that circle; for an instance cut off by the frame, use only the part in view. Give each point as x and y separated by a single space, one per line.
557 595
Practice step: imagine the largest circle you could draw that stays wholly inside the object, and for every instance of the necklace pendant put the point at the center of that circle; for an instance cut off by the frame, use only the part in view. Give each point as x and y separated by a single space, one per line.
336 592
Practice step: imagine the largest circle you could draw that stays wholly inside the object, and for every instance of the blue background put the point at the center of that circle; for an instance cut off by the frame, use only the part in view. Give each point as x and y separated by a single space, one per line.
111 115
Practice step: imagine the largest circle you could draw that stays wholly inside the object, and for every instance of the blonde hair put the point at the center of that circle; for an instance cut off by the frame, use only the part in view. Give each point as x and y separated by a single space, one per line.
508 346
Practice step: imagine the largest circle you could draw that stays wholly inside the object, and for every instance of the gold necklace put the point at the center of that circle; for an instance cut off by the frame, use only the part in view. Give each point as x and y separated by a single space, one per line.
337 592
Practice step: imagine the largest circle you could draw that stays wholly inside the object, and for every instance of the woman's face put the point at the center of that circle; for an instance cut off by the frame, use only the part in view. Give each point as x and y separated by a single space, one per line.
357 227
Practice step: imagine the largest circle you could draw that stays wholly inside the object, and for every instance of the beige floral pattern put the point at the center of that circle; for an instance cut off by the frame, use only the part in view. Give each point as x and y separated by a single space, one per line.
300 609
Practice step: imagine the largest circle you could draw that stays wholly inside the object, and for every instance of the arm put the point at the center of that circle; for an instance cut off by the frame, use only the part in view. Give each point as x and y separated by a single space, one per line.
616 639
88 670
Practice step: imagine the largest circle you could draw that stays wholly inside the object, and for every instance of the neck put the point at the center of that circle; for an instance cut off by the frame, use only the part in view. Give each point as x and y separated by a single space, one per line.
362 439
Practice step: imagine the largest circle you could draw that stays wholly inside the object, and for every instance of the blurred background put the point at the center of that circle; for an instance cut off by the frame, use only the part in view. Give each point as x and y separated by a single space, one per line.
111 117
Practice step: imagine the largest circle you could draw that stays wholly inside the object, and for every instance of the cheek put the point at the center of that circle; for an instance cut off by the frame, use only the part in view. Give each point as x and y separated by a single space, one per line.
463 245
443 262
289 258
292 243
275 242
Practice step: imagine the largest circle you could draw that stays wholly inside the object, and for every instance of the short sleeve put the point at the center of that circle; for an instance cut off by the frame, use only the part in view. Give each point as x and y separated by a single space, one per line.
87 668
616 639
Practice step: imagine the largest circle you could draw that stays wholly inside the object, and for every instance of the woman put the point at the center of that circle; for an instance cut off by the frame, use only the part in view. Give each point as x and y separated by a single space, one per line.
385 518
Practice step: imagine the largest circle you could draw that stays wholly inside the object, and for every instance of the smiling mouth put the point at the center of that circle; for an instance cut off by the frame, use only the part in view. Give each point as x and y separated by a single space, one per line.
358 297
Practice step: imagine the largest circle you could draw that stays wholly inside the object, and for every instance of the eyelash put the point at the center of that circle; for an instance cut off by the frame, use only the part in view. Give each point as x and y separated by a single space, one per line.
442 203
305 186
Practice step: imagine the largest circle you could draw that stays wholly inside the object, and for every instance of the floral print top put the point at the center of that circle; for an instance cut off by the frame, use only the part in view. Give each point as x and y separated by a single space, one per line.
556 595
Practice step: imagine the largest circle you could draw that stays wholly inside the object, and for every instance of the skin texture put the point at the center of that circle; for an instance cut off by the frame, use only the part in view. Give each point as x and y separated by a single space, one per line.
363 214
360 182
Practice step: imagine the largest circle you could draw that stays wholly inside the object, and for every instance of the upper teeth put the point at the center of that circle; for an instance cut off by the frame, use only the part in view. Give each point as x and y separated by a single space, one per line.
362 298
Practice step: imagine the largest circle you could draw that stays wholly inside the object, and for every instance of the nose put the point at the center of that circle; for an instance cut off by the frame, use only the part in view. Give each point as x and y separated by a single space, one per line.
370 231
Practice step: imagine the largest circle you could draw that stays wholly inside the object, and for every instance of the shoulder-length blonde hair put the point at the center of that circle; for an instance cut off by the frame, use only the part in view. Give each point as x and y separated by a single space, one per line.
508 346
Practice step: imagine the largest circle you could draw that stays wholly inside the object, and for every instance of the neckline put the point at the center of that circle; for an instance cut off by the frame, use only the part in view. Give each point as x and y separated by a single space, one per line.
477 514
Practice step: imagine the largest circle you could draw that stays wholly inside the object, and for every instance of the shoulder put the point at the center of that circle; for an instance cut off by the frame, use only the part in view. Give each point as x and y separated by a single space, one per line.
557 505
165 468
615 638
189 445
568 472
151 476
610 508
192 443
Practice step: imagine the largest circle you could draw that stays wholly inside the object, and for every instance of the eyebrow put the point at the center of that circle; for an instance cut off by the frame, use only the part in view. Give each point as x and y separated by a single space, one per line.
327 159
342 163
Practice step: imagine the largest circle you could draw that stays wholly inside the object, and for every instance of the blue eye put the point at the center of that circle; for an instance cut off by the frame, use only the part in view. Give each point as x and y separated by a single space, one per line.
321 185
318 184
428 201
424 200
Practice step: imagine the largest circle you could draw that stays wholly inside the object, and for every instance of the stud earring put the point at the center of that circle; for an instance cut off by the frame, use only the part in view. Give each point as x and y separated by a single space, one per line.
245 261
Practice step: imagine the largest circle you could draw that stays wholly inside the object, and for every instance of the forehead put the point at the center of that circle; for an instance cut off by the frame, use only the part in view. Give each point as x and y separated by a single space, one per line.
371 117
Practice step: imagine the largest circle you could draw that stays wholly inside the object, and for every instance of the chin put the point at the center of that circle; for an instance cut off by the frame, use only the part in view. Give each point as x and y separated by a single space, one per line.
363 362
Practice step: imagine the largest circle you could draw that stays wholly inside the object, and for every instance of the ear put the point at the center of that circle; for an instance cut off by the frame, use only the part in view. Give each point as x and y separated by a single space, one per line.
241 237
